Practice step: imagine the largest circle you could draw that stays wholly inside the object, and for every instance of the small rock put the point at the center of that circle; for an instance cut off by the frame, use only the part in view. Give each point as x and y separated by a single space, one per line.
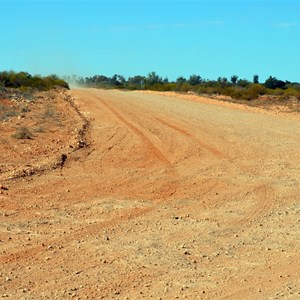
4 188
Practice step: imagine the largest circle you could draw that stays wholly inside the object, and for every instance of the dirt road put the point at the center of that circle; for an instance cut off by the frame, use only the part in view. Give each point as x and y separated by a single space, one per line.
173 199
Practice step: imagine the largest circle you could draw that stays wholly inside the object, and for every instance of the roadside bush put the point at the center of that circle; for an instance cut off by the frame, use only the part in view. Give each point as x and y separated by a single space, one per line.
240 93
24 80
278 92
170 87
157 87
185 87
201 90
257 89
250 95
292 92
233 92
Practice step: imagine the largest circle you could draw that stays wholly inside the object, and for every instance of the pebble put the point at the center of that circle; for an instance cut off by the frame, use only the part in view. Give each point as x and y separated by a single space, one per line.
4 188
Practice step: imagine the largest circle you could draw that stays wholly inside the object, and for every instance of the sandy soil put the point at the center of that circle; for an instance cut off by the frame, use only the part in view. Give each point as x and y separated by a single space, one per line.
173 198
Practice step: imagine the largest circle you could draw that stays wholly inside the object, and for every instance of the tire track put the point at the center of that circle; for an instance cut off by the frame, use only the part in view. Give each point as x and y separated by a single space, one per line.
153 149
201 143
207 147
35 252
264 205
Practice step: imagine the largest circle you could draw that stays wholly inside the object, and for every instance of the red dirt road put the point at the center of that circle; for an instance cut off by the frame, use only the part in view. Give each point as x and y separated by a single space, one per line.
173 199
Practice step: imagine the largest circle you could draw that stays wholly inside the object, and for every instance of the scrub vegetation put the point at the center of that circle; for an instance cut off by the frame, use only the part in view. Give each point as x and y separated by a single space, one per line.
235 87
27 82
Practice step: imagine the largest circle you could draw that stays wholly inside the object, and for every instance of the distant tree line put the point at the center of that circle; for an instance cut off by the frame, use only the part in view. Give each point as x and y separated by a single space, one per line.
25 81
236 88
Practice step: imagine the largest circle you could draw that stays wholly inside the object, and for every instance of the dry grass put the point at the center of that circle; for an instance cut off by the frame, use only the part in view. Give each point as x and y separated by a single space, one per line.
23 133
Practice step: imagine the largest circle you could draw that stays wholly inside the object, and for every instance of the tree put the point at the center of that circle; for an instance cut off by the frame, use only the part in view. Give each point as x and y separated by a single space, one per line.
153 78
80 81
194 79
97 80
136 80
243 83
180 80
222 81
234 79
274 83
255 78
117 80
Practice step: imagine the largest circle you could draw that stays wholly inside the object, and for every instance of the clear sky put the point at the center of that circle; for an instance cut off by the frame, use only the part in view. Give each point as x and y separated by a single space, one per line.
172 38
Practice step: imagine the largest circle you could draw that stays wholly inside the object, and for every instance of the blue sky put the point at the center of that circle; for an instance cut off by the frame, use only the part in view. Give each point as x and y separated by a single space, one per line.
172 38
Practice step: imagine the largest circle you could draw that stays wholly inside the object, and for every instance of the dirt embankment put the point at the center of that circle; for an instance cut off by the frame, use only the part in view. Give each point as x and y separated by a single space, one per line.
172 199
38 131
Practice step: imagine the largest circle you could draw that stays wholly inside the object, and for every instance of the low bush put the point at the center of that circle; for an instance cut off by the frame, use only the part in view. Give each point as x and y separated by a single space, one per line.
7 113
49 113
25 81
39 129
22 133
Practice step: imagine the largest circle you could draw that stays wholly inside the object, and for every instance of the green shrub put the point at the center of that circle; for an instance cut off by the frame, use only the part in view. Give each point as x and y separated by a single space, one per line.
237 94
185 87
257 89
25 81
292 92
